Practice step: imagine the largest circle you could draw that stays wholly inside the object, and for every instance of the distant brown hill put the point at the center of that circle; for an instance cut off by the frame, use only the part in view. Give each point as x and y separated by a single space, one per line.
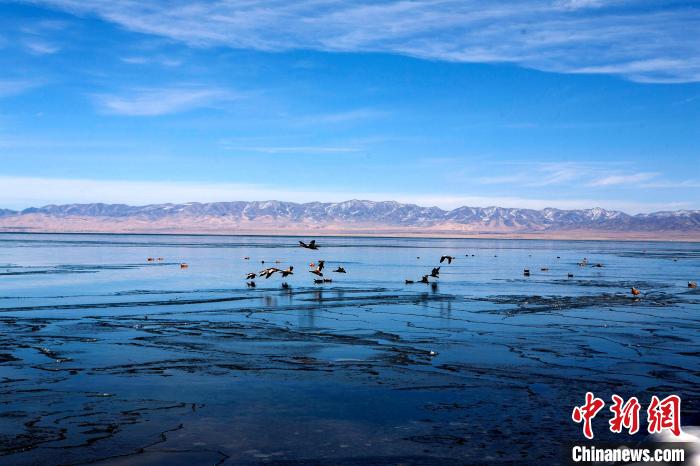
352 217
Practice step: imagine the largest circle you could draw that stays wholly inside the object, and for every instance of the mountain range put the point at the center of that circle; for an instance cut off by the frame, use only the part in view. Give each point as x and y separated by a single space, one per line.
350 217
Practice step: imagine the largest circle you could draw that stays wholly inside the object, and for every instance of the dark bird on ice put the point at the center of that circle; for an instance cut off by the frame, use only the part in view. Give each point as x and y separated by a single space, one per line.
318 281
340 270
312 244
571 275
447 258
526 272
409 282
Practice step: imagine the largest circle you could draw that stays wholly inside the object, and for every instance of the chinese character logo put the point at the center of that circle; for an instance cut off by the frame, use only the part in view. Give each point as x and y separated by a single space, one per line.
587 412
661 414
625 415
665 414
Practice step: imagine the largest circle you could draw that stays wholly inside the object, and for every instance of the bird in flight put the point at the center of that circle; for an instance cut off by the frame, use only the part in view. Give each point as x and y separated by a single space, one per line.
251 276
446 258
268 272
288 271
312 244
340 270
435 272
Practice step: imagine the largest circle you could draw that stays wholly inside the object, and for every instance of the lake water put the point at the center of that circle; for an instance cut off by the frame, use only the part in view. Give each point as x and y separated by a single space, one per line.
108 358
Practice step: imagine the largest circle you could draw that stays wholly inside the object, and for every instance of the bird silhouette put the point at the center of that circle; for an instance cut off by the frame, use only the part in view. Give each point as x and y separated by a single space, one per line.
251 276
340 270
312 244
447 258
288 271
424 279
267 273
435 273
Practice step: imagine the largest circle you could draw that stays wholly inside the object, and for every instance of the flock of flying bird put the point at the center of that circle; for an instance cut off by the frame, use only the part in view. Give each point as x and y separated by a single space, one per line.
317 269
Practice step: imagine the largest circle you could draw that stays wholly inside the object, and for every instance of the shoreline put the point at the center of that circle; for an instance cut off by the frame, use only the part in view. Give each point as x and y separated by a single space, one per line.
674 237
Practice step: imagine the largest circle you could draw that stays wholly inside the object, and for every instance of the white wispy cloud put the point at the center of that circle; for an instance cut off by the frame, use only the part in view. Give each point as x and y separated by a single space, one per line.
642 41
10 87
294 149
359 114
41 47
21 192
623 179
664 184
541 174
146 60
162 101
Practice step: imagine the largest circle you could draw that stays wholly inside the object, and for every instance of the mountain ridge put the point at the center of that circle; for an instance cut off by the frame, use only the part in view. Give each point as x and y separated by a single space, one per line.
336 216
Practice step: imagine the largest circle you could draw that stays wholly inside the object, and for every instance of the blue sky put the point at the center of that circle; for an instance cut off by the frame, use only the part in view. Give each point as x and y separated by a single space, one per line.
567 104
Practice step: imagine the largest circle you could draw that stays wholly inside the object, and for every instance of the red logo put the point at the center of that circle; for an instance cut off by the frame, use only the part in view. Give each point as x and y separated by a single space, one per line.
626 415
665 414
587 412
661 414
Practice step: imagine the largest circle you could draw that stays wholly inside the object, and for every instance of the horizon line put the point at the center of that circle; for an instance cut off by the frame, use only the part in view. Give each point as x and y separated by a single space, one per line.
22 211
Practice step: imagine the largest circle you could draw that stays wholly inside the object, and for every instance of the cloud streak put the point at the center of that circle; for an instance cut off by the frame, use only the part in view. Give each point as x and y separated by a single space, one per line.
10 87
639 40
161 101
625 179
